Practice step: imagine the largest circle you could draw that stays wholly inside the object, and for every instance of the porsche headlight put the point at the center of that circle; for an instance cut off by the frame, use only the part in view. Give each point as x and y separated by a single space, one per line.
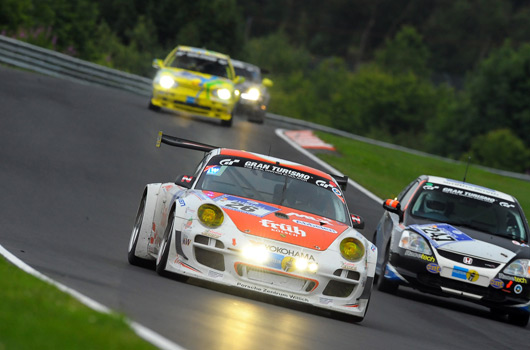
415 242
224 94
252 94
519 268
210 215
351 249
166 81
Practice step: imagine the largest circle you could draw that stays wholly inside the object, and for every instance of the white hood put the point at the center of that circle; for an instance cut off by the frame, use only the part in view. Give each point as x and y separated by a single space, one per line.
480 249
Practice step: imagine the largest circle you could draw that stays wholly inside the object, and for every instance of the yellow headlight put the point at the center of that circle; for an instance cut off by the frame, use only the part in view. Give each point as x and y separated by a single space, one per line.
351 249
210 215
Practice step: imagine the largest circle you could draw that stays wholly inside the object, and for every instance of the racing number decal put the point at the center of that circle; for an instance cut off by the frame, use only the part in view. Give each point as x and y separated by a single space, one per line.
241 206
438 235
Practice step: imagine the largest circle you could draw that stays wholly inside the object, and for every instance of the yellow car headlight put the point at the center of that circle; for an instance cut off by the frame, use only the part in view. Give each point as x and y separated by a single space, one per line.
351 249
166 81
210 215
224 94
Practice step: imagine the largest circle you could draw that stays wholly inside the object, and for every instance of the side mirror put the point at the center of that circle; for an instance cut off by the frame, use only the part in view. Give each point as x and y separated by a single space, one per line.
158 63
267 82
185 181
357 221
239 79
393 206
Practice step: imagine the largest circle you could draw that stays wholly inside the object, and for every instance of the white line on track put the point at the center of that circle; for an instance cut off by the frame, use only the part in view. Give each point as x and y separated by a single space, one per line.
143 332
329 168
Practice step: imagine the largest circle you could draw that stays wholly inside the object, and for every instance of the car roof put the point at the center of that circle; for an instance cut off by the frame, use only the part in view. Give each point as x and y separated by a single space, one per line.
274 160
469 186
203 52
241 64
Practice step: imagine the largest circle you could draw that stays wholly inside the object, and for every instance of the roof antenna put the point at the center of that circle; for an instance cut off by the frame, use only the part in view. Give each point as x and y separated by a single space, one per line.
270 146
467 166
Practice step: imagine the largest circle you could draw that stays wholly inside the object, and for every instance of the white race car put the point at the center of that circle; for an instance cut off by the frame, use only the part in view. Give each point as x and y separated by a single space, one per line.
257 223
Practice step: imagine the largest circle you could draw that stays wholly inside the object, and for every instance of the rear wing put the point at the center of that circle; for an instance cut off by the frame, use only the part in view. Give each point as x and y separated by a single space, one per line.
341 180
183 143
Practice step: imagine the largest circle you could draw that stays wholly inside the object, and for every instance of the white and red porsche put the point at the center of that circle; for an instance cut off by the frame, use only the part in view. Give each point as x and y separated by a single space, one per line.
258 223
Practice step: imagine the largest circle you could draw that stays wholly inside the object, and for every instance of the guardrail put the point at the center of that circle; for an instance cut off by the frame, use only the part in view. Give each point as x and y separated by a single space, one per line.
20 54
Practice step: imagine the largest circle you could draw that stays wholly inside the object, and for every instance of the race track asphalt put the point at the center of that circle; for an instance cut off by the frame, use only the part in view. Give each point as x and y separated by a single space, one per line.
74 160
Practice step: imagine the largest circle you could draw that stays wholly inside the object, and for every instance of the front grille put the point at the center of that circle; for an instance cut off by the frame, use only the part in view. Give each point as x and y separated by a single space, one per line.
212 242
488 293
476 261
275 279
211 259
338 289
353 275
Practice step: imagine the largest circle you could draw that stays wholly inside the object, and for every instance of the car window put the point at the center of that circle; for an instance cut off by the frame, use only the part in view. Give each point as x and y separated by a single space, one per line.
201 63
250 74
469 209
273 188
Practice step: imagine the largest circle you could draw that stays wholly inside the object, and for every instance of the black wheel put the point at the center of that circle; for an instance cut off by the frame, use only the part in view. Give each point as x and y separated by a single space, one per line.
133 259
519 318
228 123
161 260
152 107
383 284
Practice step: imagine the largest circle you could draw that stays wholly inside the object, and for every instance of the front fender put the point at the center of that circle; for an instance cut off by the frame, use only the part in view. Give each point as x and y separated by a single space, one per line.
151 193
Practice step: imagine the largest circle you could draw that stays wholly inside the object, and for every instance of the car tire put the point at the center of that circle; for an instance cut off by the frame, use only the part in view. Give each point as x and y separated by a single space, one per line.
383 284
133 259
153 107
519 318
228 123
163 253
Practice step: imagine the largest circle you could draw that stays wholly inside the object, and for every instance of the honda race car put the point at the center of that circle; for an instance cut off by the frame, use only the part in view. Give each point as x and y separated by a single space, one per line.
197 81
257 223
456 239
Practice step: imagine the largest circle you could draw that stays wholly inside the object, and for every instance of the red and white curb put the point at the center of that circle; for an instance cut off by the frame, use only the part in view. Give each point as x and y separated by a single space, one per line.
282 133
306 139
143 332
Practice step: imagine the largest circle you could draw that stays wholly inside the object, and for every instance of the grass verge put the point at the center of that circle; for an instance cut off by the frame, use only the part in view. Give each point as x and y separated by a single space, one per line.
36 315
385 172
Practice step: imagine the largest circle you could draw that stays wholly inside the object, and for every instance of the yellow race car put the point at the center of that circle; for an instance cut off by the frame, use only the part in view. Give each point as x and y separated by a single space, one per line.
197 81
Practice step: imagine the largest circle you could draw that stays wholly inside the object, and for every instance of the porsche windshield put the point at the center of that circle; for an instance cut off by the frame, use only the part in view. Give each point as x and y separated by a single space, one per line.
470 209
275 188
200 63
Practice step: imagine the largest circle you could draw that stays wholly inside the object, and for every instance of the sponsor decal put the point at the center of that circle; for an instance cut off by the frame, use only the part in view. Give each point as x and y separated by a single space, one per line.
373 248
425 257
463 193
288 264
166 188
472 275
229 161
272 292
441 234
309 217
212 170
325 184
187 179
285 251
459 272
513 278
188 223
507 205
277 170
497 283
433 268
245 206
349 266
214 274
182 202
186 240
325 301
318 227
518 289
429 187
212 234
283 229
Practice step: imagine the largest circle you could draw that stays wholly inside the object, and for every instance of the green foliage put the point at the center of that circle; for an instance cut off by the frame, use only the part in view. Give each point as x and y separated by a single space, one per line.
500 149
405 53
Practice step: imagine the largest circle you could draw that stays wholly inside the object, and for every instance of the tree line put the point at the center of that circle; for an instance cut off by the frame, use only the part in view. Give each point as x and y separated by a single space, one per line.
449 77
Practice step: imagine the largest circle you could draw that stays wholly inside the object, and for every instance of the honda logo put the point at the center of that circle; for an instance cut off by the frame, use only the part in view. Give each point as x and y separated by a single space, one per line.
468 260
